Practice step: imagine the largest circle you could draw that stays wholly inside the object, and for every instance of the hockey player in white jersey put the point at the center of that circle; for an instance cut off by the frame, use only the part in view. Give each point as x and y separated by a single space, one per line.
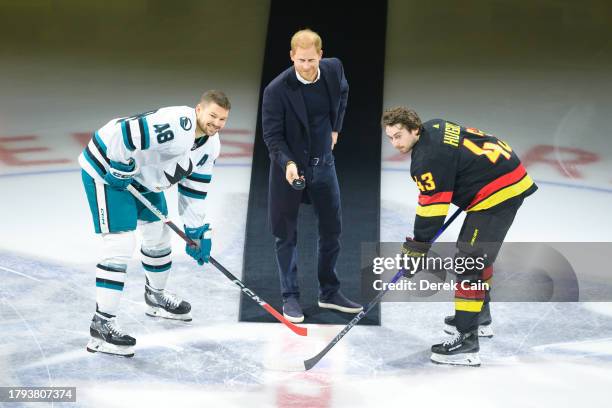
152 151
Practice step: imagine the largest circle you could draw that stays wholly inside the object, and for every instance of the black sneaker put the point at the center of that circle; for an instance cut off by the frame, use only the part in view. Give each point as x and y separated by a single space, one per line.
292 310
485 328
167 305
338 301
460 350
107 337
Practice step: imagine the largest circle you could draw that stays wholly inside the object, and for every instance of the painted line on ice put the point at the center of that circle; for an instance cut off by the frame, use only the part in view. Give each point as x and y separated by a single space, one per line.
588 347
542 182
45 172
588 188
7 302
19 273
38 173
180 339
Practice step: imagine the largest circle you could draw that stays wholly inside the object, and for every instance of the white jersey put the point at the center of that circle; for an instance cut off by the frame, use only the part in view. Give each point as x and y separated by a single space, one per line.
163 144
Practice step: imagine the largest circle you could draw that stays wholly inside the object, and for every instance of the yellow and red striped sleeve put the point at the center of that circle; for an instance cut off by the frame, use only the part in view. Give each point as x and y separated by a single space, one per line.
430 214
435 205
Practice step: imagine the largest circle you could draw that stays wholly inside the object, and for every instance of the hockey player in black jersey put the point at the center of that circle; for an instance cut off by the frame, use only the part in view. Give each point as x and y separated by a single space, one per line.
480 174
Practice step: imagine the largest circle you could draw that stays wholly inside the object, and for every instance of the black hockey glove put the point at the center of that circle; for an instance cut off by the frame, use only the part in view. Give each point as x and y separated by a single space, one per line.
416 250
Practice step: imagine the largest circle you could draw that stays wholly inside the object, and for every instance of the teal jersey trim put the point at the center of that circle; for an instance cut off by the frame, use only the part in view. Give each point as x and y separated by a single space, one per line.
101 144
97 166
127 136
145 141
202 178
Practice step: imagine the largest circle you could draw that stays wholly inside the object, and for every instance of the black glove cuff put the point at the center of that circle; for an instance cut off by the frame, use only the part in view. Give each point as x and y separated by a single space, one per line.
416 246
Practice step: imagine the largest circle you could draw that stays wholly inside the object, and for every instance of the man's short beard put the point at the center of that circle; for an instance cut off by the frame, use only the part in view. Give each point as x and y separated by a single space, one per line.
202 128
210 125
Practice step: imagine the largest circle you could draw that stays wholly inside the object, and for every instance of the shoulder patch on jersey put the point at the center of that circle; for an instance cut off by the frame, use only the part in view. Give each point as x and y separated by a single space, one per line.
185 123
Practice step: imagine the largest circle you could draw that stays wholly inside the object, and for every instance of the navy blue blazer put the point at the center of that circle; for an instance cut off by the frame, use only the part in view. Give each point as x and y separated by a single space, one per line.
286 133
284 118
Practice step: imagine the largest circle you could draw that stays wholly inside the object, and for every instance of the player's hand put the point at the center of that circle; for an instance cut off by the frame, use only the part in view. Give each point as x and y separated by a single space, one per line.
202 236
334 139
120 175
291 172
414 249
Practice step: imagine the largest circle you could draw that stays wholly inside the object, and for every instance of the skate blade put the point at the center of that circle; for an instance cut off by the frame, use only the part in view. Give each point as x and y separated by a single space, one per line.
464 359
99 345
483 331
159 312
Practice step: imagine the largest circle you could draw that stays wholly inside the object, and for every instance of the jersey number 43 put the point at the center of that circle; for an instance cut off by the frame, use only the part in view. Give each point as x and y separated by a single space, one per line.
425 182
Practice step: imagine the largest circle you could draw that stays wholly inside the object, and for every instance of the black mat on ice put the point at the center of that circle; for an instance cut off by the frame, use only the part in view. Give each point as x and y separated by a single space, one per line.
355 33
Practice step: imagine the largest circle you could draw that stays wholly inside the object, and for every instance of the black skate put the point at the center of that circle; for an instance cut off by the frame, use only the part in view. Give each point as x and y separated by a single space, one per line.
167 305
107 337
460 350
485 328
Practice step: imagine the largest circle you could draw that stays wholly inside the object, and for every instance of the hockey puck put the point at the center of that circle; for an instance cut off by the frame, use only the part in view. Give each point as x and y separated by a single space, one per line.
298 184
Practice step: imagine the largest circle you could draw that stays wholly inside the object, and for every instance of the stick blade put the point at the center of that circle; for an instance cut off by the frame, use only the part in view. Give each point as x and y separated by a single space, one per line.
300 331
311 362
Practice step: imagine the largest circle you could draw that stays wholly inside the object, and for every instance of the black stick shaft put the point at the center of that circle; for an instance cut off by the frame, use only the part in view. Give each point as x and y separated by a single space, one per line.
302 331
308 364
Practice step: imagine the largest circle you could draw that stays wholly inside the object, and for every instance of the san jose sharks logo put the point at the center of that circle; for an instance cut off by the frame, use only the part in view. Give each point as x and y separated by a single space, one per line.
185 123
179 173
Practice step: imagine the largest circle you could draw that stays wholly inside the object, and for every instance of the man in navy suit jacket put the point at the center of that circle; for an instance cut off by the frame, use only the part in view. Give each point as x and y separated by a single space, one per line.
302 113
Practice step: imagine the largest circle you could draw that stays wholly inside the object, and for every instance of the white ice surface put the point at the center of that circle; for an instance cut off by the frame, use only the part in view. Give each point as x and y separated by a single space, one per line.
543 355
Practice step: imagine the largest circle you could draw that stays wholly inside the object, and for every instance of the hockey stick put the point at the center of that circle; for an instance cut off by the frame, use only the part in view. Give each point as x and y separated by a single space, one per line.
302 331
311 362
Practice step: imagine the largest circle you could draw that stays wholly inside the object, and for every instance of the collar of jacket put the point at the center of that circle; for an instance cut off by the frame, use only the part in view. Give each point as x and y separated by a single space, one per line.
295 95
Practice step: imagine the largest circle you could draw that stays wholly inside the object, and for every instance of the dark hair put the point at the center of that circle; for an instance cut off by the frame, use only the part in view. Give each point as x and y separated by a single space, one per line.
403 116
217 97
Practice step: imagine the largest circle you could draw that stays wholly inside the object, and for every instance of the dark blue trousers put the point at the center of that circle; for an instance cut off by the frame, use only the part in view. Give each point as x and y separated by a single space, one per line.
324 193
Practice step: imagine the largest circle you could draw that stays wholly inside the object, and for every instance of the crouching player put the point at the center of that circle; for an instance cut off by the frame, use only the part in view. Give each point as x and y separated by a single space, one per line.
480 174
152 151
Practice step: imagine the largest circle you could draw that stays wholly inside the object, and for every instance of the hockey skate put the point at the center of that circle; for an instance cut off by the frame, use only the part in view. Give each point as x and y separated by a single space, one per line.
161 303
107 337
485 328
460 350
